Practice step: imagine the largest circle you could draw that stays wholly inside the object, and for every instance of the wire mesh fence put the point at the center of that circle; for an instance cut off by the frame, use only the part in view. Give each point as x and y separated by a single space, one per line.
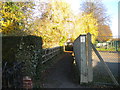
109 50
107 43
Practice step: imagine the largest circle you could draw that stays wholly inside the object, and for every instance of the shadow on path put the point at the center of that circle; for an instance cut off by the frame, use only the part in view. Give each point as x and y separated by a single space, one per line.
60 75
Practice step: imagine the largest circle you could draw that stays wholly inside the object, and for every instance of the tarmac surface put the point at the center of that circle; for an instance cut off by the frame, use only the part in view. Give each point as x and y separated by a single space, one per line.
60 75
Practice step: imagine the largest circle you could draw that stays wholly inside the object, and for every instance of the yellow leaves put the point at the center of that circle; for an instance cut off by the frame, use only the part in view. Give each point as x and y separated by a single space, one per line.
55 24
84 24
5 24
1 23
12 17
91 27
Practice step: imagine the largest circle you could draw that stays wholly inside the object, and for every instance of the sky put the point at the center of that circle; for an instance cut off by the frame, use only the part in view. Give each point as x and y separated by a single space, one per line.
112 11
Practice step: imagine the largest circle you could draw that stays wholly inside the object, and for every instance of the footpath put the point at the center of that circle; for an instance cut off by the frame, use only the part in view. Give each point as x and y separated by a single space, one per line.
61 74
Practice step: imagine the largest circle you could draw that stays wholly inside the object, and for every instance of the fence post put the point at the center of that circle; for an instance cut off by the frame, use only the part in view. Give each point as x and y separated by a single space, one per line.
116 45
89 57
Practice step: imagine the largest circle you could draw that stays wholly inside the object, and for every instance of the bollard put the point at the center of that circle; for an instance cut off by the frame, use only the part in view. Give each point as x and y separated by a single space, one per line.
27 82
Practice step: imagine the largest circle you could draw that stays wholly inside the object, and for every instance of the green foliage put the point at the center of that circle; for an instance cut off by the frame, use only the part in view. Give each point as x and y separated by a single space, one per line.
107 49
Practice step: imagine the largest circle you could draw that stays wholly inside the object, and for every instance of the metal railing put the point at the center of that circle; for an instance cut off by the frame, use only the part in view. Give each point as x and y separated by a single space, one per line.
49 53
109 49
12 75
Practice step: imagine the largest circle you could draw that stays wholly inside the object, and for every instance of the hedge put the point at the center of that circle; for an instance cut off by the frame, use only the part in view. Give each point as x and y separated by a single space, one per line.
25 49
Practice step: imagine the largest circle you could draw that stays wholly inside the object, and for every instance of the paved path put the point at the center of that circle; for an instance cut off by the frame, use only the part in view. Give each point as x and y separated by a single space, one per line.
60 76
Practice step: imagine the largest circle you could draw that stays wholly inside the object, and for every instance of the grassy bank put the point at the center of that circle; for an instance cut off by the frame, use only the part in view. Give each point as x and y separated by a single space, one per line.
109 49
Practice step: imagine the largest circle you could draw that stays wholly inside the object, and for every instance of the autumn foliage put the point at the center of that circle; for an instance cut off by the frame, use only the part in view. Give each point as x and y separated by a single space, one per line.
56 23
104 34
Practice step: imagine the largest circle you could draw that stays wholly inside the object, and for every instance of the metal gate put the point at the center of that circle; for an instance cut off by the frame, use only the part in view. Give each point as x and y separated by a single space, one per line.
82 52
85 52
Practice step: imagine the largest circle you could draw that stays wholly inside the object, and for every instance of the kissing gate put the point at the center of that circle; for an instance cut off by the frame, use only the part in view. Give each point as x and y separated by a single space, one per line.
83 56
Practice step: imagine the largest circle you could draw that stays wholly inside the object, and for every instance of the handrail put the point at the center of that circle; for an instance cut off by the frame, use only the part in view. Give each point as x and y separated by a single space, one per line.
49 53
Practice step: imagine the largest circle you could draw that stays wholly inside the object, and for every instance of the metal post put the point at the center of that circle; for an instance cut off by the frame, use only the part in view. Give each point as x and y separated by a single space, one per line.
116 46
83 59
83 56
89 57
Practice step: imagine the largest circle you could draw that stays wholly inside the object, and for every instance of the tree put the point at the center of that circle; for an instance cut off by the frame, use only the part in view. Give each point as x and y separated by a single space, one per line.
85 23
53 25
104 34
14 17
99 13
98 9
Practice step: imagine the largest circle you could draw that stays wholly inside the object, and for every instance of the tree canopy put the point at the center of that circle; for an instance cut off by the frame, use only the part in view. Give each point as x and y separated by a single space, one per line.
104 33
99 13
14 17
53 26
55 22
98 9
